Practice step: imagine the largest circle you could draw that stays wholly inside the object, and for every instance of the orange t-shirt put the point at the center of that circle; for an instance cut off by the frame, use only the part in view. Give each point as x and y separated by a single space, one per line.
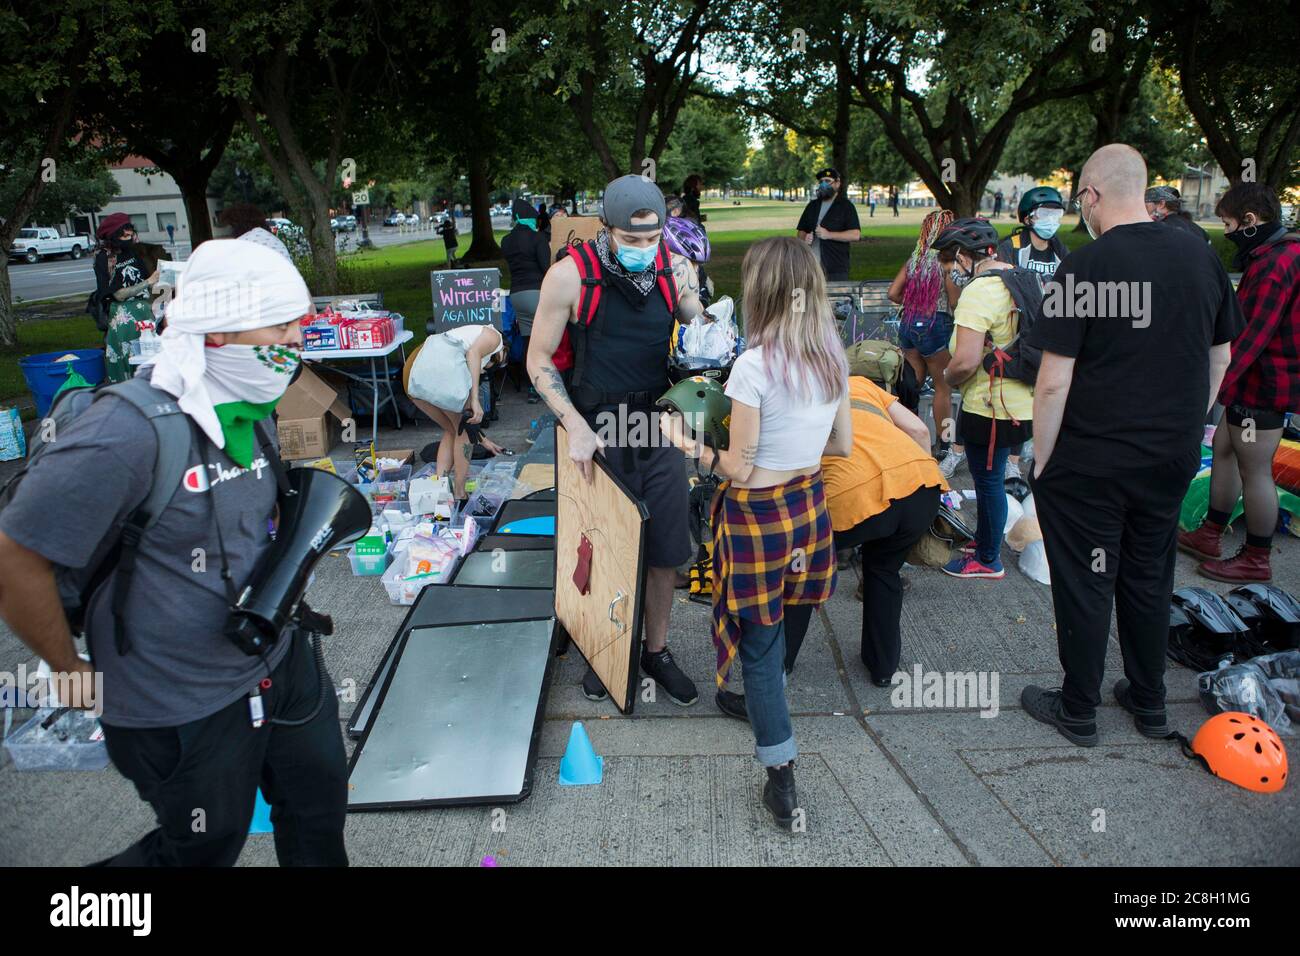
886 464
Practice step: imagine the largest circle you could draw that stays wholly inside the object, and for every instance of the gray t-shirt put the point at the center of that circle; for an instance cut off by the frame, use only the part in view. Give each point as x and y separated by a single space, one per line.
180 666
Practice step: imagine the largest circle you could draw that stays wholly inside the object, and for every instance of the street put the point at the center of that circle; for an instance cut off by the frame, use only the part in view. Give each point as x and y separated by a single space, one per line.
54 278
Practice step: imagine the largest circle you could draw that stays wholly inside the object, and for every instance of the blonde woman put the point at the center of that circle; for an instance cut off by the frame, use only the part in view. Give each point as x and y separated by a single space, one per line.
772 539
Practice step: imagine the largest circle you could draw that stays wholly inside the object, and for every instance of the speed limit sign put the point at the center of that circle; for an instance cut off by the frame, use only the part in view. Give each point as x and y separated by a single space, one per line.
361 197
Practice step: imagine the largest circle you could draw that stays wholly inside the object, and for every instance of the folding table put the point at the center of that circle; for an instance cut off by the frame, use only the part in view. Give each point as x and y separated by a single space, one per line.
374 378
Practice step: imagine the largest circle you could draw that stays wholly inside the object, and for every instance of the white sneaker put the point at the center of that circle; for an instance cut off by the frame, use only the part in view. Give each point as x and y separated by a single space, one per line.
1012 471
950 462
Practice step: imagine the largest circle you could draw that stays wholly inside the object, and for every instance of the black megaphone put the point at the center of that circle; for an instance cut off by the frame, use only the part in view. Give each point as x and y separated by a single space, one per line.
319 512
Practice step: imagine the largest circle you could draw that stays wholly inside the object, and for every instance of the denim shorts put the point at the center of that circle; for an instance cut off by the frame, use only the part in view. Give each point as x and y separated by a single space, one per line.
926 334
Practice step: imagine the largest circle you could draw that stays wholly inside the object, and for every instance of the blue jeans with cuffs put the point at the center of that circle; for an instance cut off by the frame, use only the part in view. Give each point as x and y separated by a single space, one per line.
762 654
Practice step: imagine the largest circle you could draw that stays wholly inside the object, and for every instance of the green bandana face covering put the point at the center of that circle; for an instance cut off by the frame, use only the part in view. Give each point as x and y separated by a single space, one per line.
245 383
530 223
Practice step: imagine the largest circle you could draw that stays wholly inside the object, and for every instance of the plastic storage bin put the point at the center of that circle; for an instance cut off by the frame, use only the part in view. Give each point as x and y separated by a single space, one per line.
33 748
364 564
45 374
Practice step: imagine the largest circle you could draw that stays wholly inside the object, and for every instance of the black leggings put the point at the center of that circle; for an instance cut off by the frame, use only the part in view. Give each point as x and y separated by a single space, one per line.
884 540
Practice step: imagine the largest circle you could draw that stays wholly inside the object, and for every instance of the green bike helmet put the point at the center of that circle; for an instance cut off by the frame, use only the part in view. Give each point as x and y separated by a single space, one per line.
1038 196
705 406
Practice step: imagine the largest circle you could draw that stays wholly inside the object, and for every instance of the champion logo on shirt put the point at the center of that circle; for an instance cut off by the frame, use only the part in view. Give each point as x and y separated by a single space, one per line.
197 480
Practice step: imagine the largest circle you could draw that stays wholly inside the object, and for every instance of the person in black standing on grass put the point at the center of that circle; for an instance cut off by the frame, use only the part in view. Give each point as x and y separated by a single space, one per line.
1119 411
448 232
829 223
1165 204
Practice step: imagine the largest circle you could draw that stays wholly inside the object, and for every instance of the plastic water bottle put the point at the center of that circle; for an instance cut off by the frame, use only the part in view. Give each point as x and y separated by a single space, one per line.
149 343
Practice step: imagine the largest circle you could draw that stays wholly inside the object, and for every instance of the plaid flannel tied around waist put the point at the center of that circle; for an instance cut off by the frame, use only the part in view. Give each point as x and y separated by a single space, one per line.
771 547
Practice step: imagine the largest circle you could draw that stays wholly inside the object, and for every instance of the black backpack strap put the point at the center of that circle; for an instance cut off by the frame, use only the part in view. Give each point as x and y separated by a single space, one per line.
171 429
272 453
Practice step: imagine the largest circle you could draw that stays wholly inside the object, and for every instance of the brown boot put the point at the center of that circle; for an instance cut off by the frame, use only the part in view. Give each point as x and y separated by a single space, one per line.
1206 542
1248 564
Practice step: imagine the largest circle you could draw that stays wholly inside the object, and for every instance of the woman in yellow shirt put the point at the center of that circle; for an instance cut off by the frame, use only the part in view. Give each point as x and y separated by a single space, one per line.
882 498
994 416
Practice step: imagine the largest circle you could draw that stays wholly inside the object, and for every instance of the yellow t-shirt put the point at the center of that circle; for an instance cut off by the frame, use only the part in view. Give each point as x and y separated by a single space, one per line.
987 307
886 465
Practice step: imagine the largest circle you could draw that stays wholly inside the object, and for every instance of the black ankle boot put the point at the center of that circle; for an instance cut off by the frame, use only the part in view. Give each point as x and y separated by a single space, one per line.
779 796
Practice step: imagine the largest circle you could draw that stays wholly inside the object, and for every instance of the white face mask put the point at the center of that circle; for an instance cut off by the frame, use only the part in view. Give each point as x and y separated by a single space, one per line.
250 373
1087 218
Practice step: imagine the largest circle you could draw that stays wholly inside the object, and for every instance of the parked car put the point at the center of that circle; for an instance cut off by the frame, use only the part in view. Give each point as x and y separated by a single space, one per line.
35 243
277 224
394 219
350 223
438 218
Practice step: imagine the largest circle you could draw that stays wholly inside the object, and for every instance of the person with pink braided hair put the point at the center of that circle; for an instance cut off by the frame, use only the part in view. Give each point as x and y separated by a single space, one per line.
926 325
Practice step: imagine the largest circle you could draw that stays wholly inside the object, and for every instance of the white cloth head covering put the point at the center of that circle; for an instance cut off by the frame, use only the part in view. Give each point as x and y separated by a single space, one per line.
228 285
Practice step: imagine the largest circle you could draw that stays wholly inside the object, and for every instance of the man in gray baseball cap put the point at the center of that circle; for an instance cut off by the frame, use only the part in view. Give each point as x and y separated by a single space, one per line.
616 373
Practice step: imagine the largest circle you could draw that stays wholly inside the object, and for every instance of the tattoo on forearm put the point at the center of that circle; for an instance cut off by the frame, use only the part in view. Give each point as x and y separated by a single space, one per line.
685 276
550 386
749 454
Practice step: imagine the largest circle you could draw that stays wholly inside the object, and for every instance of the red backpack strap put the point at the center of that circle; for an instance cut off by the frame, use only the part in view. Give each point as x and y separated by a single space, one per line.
667 281
588 263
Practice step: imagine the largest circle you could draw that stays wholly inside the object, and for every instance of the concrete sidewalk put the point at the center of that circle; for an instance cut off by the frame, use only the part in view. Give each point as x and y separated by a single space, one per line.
880 784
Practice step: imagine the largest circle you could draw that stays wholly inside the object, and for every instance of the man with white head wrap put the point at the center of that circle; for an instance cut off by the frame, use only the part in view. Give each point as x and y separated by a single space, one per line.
187 716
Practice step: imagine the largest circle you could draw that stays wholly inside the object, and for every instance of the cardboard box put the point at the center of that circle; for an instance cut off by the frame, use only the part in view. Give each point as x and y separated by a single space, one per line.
430 496
310 415
567 229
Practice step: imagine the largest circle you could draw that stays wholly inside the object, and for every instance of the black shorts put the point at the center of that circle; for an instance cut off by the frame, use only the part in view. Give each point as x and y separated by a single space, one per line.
1263 418
657 476
975 429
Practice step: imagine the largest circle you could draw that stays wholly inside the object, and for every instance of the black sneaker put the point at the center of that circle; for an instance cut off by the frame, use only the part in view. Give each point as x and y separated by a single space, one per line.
1150 723
664 671
1045 705
592 688
731 704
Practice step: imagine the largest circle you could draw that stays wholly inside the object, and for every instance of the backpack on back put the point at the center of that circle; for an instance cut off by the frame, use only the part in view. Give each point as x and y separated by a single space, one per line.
591 301
118 549
1019 359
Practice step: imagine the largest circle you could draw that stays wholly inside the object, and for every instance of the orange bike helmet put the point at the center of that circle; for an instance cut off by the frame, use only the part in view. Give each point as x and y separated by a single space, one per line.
1243 750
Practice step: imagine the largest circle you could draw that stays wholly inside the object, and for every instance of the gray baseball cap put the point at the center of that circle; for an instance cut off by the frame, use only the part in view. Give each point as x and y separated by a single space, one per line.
628 195
1164 194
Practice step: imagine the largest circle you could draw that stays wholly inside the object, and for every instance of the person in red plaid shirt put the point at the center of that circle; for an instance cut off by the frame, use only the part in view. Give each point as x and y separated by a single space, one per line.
1262 384
772 538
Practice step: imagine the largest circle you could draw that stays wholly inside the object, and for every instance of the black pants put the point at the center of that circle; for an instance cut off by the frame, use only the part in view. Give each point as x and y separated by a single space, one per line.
201 778
1111 539
884 541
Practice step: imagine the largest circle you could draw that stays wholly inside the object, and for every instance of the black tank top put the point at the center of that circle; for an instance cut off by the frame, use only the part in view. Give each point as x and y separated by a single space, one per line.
630 353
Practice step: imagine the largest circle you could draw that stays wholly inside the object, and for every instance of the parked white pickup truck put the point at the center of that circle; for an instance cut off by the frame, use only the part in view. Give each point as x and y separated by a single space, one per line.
34 243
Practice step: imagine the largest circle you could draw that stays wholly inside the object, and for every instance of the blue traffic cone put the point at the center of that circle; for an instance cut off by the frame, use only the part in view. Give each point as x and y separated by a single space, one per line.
261 815
581 766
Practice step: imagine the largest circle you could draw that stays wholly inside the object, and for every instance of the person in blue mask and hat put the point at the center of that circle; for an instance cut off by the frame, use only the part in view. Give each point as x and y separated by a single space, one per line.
527 249
829 223
598 354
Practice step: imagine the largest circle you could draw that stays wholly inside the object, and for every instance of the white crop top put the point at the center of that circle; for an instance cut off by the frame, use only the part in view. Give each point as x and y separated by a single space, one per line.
792 432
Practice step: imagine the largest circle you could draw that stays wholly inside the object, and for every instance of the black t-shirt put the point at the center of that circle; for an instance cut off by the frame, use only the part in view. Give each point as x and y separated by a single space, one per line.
840 217
1138 309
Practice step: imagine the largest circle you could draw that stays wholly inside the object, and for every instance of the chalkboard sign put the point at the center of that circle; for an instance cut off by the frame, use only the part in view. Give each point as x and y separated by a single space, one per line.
466 297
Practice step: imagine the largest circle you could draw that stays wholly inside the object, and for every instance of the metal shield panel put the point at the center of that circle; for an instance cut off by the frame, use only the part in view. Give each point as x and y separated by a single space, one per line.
458 718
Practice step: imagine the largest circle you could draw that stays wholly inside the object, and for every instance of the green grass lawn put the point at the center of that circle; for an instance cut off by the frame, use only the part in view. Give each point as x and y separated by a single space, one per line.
402 273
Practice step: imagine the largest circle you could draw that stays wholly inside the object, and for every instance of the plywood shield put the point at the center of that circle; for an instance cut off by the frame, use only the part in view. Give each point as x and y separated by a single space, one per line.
605 621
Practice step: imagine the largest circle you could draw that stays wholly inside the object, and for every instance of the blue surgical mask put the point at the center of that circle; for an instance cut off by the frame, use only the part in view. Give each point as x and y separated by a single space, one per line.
825 190
636 258
1046 230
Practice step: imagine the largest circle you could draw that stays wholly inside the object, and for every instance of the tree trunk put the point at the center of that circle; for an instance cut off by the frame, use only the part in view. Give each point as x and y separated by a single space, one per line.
195 194
483 245
8 315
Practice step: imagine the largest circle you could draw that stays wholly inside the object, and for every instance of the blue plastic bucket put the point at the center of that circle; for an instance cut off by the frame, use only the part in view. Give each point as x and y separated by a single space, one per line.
44 374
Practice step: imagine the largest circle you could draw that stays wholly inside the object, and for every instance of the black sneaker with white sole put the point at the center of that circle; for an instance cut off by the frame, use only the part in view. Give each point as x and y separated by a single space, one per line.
663 670
592 688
